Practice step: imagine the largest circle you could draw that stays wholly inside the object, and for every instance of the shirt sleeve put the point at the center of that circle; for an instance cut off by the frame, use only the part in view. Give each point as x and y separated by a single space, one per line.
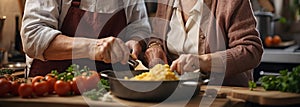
138 25
39 26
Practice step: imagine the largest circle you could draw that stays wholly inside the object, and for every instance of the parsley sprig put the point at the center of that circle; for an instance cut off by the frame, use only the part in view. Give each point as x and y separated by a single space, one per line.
287 81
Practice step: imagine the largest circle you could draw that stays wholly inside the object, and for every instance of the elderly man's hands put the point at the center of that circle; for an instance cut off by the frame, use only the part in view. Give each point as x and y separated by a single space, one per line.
109 50
155 55
135 47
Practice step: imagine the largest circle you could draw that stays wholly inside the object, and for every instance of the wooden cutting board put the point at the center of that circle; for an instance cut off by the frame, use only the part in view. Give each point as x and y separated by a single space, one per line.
262 97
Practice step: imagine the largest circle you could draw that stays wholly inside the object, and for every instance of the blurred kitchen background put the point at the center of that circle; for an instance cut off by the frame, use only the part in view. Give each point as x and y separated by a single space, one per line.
274 17
11 54
281 18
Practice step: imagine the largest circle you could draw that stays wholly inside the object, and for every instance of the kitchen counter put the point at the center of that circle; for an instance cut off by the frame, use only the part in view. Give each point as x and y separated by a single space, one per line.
226 97
286 55
79 101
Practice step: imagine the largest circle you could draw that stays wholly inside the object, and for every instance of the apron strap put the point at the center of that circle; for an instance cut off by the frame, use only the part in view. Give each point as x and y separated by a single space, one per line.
76 3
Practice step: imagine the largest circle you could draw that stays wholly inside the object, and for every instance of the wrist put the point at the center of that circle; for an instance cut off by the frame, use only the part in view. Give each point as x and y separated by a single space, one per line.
205 62
155 44
84 48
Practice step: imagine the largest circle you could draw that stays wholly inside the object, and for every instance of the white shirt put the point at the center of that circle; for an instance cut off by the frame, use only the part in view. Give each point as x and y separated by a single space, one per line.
43 18
182 38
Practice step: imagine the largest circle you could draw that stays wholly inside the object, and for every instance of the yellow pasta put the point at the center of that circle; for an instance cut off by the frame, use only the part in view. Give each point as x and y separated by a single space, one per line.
158 73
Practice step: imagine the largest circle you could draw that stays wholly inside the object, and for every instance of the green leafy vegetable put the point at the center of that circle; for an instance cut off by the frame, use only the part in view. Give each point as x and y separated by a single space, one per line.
103 84
71 72
6 71
287 81
95 94
252 85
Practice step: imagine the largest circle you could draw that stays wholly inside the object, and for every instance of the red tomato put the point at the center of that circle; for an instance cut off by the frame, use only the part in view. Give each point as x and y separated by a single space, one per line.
268 41
78 85
8 77
51 81
41 88
5 86
14 88
62 88
36 79
91 80
25 90
276 40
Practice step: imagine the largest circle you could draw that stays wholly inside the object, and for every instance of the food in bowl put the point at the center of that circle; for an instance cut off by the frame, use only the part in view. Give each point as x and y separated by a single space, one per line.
158 73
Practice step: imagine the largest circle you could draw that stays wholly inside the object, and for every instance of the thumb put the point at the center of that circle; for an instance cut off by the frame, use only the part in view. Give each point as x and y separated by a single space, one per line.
173 66
134 54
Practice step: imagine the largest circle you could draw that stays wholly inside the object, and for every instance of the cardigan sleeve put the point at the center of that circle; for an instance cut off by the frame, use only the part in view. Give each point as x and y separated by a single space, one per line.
244 44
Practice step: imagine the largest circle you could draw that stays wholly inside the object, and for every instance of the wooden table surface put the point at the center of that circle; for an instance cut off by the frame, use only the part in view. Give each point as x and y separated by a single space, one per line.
226 97
79 101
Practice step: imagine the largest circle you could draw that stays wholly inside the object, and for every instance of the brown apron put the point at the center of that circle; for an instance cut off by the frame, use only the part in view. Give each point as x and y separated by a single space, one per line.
82 23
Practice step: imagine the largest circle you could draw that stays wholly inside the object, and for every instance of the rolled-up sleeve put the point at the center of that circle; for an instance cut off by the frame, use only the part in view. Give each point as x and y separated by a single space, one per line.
39 26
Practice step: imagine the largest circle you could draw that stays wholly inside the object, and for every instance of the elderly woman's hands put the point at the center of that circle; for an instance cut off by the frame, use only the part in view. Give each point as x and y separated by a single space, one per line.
191 62
186 63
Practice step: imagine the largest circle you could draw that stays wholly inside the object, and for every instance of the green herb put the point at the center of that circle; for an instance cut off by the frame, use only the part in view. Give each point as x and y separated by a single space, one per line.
103 84
252 85
75 69
6 71
283 20
54 72
287 81
71 72
95 94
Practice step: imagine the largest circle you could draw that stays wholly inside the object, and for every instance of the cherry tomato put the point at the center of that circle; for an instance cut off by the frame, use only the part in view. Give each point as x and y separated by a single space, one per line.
8 77
14 88
268 41
91 80
62 88
5 86
276 40
78 85
51 81
36 79
25 90
41 88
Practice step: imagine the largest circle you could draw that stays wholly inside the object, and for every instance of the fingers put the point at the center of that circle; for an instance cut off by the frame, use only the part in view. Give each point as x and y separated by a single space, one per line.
192 63
135 53
174 66
177 66
135 47
125 51
112 50
115 54
185 63
105 51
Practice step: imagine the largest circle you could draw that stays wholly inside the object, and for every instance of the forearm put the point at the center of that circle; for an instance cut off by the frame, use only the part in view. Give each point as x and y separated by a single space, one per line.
244 47
232 61
63 47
